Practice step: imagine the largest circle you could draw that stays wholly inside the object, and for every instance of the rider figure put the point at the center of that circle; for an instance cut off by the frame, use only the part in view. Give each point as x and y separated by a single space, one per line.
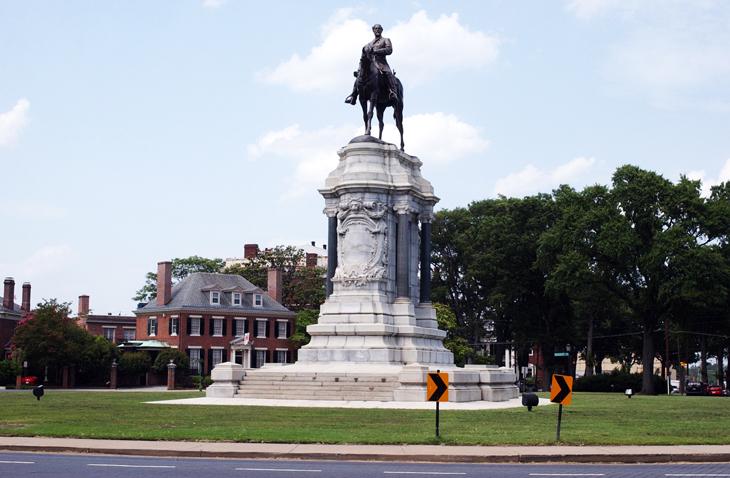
376 50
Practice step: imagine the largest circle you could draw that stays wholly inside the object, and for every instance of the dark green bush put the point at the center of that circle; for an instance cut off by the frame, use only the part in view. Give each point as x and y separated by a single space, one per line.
9 369
615 382
134 363
163 358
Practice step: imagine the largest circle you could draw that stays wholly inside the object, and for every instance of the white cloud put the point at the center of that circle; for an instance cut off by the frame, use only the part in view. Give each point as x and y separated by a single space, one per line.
422 48
708 182
213 3
531 180
12 122
45 261
434 137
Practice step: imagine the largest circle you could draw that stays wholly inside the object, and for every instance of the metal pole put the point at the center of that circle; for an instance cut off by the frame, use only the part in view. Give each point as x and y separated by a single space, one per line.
437 419
666 355
560 418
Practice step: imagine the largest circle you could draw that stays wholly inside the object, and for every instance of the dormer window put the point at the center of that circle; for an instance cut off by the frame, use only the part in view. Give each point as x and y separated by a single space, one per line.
236 298
258 300
215 297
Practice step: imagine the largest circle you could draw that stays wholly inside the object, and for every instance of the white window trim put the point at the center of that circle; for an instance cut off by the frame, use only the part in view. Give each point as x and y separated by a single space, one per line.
113 328
176 332
261 296
281 349
235 322
195 346
200 326
210 296
220 321
281 321
195 316
257 328
217 347
235 295
155 332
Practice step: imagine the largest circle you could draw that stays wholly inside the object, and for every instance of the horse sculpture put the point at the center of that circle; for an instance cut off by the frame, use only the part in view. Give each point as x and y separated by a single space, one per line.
374 94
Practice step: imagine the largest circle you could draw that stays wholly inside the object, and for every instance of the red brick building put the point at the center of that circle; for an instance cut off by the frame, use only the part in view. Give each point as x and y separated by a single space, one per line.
11 313
216 318
116 328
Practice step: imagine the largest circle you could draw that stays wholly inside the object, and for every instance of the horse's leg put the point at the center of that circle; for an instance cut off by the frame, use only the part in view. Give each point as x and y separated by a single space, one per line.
398 115
380 110
364 106
371 106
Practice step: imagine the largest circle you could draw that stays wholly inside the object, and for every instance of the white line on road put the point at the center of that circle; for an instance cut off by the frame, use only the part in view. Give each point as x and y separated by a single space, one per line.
291 470
9 462
112 465
423 473
567 474
697 474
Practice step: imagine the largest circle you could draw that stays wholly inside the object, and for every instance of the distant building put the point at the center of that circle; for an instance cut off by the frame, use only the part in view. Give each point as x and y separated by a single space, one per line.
314 256
216 318
11 313
115 328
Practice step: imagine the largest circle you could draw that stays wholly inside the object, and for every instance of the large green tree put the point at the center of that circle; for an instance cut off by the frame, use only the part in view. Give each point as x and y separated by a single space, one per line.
181 268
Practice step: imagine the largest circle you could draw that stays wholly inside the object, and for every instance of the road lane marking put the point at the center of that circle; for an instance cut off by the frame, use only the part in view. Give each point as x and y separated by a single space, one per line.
10 462
112 465
697 474
290 470
423 473
567 474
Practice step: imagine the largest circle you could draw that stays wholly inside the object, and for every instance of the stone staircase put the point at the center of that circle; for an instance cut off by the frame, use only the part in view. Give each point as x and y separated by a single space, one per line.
263 383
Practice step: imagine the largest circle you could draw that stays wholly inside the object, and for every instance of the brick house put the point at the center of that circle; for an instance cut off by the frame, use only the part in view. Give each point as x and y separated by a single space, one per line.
216 318
11 313
115 328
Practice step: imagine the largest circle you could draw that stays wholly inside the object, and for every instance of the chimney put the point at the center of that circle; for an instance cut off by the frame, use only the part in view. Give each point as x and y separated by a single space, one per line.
25 304
83 305
9 293
250 251
164 282
311 259
274 284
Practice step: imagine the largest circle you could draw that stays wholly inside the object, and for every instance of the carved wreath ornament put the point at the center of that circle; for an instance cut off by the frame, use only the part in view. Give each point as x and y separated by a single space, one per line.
363 242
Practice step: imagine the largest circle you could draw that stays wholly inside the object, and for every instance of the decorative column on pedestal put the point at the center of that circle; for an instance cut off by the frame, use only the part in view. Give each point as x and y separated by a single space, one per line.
425 292
113 375
403 264
171 375
331 247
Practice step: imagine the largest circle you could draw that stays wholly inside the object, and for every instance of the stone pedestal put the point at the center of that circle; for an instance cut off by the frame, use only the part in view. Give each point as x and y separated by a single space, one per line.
113 375
171 375
226 377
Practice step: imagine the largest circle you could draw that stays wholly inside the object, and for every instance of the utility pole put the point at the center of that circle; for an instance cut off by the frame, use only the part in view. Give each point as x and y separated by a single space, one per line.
667 374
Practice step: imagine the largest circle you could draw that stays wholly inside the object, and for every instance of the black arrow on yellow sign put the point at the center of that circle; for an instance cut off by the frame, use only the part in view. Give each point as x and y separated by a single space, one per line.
563 390
437 387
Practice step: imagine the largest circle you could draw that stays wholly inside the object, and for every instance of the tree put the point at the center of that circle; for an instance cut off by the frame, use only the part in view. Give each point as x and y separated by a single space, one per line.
458 345
134 363
179 358
305 317
181 268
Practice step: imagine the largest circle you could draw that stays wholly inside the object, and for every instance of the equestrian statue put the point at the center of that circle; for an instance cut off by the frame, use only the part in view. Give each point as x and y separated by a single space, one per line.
376 84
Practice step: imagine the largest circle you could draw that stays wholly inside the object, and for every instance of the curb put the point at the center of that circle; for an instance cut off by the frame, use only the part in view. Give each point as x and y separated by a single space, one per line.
377 457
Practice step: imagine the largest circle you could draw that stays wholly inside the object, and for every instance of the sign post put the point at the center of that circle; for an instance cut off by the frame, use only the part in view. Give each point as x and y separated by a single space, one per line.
561 392
437 390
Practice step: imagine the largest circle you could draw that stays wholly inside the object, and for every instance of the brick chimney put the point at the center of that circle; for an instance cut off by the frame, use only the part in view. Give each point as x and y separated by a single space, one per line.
9 293
250 251
311 259
25 304
164 282
83 305
274 288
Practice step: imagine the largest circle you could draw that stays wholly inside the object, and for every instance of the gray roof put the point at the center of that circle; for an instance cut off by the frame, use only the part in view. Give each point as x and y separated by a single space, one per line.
192 293
16 308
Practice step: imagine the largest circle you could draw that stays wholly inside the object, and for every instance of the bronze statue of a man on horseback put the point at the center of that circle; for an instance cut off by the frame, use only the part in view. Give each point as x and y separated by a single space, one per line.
376 84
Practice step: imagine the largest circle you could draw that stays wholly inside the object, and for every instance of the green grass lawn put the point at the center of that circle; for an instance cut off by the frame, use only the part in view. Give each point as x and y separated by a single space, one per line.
592 419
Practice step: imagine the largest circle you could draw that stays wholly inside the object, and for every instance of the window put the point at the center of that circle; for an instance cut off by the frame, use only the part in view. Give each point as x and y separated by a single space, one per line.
196 364
109 333
260 357
195 326
129 333
280 356
261 325
240 325
174 325
258 300
152 326
217 355
236 298
215 297
217 327
281 329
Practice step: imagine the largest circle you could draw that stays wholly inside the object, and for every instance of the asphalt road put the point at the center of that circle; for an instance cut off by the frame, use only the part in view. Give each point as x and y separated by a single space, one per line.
61 466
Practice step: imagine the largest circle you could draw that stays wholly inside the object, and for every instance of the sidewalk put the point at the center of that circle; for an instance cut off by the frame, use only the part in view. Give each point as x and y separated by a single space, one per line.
401 453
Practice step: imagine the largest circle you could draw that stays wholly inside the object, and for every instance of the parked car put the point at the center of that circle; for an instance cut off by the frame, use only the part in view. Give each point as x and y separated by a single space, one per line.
695 388
29 380
715 391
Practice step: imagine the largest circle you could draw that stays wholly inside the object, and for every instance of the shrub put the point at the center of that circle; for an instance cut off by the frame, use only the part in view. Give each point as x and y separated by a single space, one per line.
9 369
615 382
163 359
206 381
134 363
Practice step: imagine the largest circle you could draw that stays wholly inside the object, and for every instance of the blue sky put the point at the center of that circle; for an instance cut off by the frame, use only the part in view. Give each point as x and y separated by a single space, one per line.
137 131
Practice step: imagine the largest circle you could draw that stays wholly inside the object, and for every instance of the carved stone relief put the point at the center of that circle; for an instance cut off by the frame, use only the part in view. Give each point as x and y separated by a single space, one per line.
362 234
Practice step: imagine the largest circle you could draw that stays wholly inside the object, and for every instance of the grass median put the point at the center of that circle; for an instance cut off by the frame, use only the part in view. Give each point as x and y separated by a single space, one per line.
592 419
